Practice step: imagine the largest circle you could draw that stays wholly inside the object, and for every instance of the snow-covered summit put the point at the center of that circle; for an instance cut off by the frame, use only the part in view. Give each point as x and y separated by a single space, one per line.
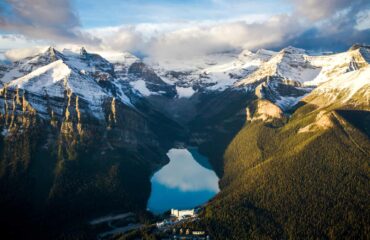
48 79
349 88
282 77
55 74
335 65
216 71
57 78
292 74
265 54
26 65
290 64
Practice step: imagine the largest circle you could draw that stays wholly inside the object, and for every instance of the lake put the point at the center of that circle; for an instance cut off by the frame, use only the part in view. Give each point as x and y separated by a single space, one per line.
185 182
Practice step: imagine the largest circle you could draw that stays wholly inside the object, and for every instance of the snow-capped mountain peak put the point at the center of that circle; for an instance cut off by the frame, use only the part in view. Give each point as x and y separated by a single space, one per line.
54 74
265 54
290 64
349 88
217 71
26 65
335 65
283 77
44 79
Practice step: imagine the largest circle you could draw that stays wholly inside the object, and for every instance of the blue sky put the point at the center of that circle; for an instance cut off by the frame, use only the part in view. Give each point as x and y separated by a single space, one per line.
114 12
174 28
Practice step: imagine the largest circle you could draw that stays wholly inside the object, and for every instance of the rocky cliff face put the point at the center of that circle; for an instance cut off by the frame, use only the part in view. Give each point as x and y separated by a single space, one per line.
71 139
81 135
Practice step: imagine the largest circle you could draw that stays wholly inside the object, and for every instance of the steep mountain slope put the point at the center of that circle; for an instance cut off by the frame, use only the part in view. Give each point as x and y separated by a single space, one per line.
217 71
305 178
288 183
3 69
198 81
287 132
351 88
281 79
73 144
292 74
291 64
337 64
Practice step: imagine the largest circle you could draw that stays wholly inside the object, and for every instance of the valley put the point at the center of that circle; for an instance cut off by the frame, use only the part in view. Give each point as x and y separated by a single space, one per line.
277 141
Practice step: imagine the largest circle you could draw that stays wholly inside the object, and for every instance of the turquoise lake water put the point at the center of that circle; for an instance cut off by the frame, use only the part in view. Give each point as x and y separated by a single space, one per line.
185 182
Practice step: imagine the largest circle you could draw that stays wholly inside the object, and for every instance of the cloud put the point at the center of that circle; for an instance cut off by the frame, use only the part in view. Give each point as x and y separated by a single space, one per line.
20 53
333 24
122 38
311 24
363 20
200 40
319 9
43 19
186 174
189 39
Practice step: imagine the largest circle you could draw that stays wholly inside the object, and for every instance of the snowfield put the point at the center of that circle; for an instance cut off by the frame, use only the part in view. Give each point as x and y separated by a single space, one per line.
140 86
283 77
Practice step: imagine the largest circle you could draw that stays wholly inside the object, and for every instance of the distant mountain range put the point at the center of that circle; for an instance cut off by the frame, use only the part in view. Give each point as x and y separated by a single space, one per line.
287 132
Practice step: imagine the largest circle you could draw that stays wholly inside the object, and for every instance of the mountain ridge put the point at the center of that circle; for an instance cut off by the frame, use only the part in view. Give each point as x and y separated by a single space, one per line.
101 128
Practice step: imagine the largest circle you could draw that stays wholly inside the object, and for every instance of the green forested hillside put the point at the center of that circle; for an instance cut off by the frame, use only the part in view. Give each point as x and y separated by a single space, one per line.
296 182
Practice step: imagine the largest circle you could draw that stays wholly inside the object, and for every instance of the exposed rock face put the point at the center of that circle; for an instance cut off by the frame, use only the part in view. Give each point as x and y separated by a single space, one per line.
281 79
81 135
265 111
349 88
72 138
3 70
283 93
323 121
292 74
290 64
153 82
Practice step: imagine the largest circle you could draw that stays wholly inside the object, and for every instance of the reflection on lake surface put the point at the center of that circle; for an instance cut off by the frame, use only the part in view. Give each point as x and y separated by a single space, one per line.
185 182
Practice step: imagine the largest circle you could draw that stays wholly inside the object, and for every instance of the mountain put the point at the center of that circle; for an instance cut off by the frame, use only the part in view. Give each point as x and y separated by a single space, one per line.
291 74
216 71
291 143
306 177
71 139
287 133
281 79
350 88
301 174
3 69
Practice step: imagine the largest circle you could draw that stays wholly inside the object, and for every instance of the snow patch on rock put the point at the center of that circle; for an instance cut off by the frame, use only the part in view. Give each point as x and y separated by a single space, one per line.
286 103
344 88
141 87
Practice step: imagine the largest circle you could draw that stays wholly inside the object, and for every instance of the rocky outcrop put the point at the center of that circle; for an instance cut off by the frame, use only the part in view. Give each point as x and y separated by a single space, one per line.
153 82
265 111
71 140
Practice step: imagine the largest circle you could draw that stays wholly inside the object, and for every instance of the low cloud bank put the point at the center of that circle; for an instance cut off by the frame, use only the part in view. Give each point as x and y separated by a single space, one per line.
312 24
